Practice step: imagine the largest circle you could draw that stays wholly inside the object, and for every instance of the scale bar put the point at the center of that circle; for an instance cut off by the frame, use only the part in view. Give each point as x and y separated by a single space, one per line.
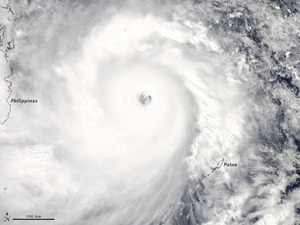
33 219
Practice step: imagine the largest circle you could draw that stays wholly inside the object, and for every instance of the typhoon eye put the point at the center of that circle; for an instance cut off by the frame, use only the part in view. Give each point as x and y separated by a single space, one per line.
145 99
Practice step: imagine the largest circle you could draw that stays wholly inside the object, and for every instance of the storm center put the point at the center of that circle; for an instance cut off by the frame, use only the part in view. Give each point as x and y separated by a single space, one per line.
145 99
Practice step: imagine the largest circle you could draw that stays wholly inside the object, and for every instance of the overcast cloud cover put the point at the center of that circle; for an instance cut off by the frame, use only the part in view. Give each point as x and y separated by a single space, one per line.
223 77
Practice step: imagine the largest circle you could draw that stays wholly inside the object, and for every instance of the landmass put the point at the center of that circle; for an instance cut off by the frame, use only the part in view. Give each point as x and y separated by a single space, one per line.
6 69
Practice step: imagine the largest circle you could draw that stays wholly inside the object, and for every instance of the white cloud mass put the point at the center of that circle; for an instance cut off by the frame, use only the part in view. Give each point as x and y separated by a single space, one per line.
90 152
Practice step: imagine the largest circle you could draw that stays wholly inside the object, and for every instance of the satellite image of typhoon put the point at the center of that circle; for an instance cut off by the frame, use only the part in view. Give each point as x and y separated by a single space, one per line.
131 112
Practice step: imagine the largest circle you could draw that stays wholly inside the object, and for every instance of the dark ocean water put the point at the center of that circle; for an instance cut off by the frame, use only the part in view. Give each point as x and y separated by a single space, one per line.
265 34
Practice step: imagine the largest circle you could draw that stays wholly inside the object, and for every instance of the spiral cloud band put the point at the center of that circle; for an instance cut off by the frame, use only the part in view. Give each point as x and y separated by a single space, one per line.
139 112
131 159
